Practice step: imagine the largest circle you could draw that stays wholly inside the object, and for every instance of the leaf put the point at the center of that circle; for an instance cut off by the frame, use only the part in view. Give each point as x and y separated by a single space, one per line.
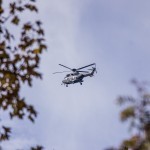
32 111
15 20
18 64
40 32
1 10
37 51
7 35
43 46
7 129
38 23
132 142
37 148
2 46
27 27
12 8
5 134
124 99
127 113
1 31
31 118
20 9
31 7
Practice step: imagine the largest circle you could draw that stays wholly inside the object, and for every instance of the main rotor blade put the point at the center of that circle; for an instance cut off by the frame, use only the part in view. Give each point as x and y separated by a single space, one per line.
61 72
83 71
65 66
86 66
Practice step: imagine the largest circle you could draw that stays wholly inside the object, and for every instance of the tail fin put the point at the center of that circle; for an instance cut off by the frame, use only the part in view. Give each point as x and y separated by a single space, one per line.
93 71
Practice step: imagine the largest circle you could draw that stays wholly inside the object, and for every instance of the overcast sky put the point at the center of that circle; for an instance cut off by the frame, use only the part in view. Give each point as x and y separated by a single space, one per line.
115 35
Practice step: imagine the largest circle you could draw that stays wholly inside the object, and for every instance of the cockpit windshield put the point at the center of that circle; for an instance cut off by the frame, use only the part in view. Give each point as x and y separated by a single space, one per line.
68 75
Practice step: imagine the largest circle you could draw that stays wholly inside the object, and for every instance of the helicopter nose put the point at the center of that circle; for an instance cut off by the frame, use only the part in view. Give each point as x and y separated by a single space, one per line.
64 81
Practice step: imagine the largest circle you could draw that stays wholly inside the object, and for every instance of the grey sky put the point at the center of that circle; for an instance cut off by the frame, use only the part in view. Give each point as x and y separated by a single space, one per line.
113 34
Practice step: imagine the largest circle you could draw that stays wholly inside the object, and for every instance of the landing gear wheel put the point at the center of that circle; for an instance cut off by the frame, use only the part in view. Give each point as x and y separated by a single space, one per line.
66 85
81 83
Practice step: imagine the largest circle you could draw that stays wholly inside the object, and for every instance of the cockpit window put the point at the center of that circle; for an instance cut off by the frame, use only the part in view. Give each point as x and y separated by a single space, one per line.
67 75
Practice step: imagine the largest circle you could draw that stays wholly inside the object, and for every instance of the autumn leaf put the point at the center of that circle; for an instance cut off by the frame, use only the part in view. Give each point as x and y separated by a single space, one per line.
37 148
40 32
27 27
127 113
20 9
19 61
1 10
37 51
15 20
43 46
31 7
2 46
5 133
38 23
12 7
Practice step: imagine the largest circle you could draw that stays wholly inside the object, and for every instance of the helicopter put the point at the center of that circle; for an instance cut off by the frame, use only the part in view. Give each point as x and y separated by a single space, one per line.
77 75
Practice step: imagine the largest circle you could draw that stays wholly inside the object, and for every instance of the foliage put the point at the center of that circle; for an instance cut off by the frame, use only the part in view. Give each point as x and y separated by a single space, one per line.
37 148
137 112
19 58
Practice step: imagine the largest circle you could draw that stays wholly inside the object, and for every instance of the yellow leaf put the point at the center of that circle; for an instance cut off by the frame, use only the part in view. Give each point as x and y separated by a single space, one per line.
1 10
127 113
36 51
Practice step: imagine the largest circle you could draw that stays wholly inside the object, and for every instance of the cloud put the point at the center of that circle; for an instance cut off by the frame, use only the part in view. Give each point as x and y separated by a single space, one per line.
81 32
20 143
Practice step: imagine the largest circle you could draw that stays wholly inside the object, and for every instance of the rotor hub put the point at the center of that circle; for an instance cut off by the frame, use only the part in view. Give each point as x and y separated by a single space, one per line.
74 70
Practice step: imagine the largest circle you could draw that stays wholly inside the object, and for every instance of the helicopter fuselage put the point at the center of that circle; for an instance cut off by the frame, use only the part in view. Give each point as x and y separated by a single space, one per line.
73 78
76 77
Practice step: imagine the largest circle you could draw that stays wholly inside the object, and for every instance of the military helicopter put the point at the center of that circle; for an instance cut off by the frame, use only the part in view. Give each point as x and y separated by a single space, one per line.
77 75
